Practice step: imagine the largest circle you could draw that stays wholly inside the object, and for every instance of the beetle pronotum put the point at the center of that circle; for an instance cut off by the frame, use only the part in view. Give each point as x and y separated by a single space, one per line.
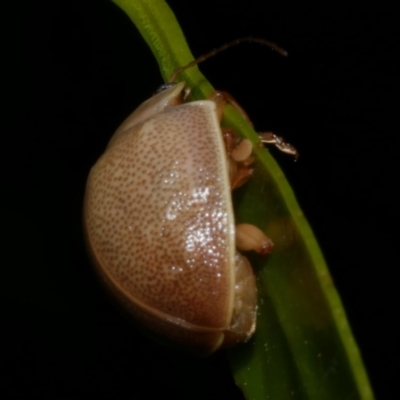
160 225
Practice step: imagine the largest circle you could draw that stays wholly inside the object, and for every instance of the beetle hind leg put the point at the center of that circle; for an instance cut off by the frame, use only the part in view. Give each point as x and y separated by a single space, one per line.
243 320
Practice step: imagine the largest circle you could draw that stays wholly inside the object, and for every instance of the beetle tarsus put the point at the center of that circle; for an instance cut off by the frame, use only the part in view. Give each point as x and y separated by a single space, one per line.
272 138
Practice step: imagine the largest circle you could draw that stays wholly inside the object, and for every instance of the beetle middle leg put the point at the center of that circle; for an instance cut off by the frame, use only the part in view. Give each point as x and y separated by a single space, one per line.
251 238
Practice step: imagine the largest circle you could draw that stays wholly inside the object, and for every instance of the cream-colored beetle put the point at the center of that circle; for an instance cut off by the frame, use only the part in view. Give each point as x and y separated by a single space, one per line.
160 225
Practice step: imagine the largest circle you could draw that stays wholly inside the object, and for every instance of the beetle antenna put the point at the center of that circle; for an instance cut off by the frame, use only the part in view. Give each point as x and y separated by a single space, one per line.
225 46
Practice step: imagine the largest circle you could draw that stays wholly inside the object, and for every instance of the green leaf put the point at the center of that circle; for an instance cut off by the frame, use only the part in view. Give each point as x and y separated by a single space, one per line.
303 347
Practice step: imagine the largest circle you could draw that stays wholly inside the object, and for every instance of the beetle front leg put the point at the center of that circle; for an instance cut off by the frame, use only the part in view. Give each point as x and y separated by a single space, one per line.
221 98
271 138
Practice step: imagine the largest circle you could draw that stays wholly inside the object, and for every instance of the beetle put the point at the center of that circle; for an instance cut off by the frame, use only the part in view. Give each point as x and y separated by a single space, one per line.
159 220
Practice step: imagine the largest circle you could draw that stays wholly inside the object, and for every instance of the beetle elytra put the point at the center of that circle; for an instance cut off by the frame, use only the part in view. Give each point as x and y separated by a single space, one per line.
160 225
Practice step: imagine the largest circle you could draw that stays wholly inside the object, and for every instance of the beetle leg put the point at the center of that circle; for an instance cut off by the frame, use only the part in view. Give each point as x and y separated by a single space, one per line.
242 175
249 237
238 150
221 99
239 157
242 151
271 138
230 140
245 303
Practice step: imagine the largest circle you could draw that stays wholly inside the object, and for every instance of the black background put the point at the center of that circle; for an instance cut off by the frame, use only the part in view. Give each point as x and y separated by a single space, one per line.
72 70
